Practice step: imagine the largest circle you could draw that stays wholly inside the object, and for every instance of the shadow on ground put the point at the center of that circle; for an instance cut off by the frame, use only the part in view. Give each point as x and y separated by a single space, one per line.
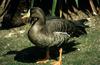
32 54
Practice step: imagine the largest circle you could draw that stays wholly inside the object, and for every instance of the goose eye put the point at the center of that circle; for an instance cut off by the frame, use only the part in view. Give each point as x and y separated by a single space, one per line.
34 18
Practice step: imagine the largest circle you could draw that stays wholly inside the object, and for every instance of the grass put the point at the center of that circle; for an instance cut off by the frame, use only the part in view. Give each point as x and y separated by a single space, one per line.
18 50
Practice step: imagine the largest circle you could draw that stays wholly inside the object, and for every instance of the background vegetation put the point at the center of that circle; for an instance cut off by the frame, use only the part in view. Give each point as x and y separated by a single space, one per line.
59 8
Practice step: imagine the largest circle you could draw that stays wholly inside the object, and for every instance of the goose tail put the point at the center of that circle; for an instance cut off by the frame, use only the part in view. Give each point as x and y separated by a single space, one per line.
79 28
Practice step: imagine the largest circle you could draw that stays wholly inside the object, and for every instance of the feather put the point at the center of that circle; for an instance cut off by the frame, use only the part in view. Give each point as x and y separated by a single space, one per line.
49 32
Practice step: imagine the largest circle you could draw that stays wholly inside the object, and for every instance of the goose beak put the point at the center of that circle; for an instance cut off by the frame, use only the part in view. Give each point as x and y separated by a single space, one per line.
26 15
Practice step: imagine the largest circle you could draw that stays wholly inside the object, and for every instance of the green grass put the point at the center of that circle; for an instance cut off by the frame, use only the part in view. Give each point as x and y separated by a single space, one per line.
13 50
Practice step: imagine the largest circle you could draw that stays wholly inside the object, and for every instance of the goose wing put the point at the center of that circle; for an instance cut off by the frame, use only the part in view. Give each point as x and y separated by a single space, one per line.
71 27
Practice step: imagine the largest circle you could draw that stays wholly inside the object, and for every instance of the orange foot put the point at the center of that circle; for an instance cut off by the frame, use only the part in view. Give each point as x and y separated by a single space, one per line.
59 62
42 61
56 63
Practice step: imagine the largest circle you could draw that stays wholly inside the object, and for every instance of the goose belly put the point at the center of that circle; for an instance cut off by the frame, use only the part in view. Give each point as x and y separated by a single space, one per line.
49 40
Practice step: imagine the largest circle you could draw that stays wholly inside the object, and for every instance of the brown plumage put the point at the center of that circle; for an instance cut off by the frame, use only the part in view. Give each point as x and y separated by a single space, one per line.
54 31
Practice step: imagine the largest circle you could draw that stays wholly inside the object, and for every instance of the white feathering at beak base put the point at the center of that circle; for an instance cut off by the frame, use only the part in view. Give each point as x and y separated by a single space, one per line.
26 15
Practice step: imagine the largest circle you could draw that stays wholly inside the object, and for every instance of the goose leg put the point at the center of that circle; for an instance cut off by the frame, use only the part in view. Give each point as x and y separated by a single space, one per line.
59 62
46 59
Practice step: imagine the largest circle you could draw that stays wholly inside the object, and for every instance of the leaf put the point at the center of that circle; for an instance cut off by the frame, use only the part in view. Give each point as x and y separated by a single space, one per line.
77 3
61 13
32 3
98 2
53 7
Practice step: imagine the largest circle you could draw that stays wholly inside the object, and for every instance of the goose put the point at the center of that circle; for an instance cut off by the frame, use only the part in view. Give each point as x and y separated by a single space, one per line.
17 20
46 33
13 15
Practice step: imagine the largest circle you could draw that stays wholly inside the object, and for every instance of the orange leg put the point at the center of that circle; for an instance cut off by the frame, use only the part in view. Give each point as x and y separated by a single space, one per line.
59 62
45 60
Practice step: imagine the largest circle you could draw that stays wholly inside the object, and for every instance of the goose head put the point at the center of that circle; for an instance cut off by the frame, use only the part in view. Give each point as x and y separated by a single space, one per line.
37 20
37 16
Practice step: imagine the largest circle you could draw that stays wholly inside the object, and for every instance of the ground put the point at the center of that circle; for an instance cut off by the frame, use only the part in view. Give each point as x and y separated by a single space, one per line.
16 49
